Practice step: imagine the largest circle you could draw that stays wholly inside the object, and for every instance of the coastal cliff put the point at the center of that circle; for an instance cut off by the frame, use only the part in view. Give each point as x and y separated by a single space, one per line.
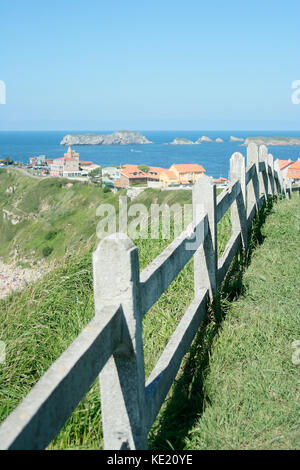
117 138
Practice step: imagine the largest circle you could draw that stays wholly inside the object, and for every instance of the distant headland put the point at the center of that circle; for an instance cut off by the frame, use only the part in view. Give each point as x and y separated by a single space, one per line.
124 137
117 138
275 141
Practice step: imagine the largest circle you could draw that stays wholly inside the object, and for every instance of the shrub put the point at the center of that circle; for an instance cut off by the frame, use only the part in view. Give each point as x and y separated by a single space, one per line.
47 250
50 235
144 168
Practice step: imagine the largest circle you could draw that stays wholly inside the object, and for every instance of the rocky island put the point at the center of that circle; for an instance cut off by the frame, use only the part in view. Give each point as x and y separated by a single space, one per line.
271 141
182 141
236 139
204 138
117 138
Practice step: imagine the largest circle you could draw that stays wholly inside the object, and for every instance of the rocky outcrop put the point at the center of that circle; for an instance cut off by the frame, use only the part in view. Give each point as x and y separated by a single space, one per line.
218 139
117 138
11 217
15 278
204 138
11 189
236 139
271 141
181 141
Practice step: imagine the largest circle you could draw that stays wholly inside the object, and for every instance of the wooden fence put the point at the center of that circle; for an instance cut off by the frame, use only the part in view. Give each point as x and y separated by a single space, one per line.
111 346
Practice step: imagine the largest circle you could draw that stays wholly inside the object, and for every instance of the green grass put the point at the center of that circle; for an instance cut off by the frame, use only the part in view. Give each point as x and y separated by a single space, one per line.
40 322
238 388
48 206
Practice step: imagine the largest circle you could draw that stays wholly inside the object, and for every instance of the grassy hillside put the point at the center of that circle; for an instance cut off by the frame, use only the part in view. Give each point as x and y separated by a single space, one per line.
57 214
54 213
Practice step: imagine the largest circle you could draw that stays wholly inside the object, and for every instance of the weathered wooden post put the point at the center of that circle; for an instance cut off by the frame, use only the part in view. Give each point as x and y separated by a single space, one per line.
238 208
263 174
206 257
122 380
253 186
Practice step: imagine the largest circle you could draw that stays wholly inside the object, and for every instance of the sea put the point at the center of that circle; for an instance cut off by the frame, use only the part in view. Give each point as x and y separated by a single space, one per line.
214 157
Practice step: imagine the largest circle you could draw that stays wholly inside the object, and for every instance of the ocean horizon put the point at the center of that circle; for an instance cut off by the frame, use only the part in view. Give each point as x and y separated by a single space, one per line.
213 156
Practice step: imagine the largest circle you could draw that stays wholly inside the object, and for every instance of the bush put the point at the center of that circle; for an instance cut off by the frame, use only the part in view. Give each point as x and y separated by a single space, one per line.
96 172
144 168
50 235
106 189
47 250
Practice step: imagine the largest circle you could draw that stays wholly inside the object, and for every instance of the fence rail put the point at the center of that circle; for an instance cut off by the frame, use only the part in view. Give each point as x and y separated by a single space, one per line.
111 345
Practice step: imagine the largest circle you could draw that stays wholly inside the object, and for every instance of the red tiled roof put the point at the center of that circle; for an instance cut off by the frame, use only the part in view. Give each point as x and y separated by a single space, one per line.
188 167
221 180
129 170
169 173
284 163
132 171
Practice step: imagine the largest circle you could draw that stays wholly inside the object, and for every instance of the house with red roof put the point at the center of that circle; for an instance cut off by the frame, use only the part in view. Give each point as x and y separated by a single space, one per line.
66 166
293 172
187 173
177 174
284 165
132 174
221 181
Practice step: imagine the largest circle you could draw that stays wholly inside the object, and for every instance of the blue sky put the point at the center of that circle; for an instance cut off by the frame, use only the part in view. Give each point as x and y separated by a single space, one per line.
99 65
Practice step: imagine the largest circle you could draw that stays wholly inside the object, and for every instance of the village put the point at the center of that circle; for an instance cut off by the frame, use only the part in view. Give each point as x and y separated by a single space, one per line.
178 176
128 175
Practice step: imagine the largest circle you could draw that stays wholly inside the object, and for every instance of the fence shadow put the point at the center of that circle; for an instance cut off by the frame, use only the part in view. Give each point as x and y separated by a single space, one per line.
188 398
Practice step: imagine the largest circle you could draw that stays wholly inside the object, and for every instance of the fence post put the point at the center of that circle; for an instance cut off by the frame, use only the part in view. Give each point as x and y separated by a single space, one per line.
253 186
122 380
272 185
238 208
263 175
289 189
206 257
279 180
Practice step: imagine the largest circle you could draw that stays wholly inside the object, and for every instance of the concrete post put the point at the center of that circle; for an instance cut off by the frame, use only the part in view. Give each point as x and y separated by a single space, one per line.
279 181
272 185
253 186
263 175
289 189
206 257
122 380
238 208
